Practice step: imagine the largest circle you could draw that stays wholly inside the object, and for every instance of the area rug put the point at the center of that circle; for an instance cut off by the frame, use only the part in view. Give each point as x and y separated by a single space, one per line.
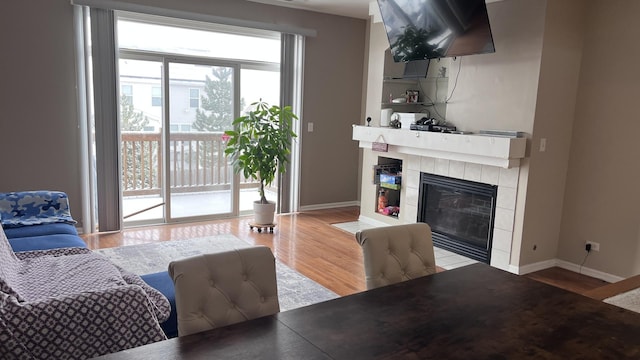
629 300
294 289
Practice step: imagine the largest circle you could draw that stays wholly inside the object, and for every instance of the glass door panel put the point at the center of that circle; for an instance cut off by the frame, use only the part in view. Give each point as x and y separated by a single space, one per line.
141 140
201 108
257 85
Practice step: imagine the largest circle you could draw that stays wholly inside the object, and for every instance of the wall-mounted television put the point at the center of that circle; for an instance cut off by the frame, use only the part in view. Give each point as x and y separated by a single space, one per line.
430 29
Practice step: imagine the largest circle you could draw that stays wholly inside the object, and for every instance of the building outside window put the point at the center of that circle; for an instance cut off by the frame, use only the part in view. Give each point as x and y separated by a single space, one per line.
194 98
156 96
127 91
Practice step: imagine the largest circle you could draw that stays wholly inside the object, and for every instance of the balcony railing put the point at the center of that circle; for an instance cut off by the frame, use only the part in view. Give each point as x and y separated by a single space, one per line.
196 163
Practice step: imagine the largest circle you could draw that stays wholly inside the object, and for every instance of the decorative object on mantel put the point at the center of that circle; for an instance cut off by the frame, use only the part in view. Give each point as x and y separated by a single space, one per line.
395 121
380 146
385 117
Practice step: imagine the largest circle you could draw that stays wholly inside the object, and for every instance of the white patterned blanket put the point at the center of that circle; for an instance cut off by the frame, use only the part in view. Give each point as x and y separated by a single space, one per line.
73 304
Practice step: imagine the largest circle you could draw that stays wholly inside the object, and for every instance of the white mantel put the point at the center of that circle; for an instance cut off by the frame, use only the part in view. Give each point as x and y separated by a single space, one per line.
504 152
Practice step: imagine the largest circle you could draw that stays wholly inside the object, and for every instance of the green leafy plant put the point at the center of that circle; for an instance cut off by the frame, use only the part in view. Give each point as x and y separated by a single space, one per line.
261 143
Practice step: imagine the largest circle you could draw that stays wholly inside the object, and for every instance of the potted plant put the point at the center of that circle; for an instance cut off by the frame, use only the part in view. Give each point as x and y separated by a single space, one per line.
259 147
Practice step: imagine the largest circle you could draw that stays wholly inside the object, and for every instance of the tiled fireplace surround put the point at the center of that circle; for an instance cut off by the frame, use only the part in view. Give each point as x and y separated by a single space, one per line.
479 162
506 179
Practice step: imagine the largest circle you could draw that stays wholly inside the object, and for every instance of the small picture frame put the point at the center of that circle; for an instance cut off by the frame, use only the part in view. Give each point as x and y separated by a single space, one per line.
413 96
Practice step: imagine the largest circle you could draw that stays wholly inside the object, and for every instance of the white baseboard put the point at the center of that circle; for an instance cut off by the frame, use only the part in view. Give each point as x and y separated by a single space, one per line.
526 269
589 272
529 268
329 205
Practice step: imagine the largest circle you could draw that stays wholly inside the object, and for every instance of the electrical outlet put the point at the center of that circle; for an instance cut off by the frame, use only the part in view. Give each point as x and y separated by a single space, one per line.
594 245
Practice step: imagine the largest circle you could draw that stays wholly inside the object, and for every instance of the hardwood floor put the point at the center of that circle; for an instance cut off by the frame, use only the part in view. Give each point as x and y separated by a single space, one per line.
308 243
303 241
567 279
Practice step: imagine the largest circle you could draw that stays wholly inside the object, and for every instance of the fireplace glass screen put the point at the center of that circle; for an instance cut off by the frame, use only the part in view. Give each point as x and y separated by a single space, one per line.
460 214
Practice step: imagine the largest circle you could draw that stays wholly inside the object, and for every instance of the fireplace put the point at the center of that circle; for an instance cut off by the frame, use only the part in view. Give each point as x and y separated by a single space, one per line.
461 214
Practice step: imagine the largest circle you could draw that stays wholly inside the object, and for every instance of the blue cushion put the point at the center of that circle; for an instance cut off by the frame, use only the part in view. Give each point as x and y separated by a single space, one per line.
162 282
34 208
46 242
39 230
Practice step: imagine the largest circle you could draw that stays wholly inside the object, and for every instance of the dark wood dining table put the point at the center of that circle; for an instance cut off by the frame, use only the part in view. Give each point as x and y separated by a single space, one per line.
474 312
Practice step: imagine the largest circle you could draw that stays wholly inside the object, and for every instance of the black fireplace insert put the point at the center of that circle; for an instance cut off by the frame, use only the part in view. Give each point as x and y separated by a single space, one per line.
461 214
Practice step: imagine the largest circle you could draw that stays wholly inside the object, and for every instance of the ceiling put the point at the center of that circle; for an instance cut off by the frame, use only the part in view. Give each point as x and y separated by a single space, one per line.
351 8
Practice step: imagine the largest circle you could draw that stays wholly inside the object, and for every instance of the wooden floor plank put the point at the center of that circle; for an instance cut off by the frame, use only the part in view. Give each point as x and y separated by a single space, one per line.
613 289
567 279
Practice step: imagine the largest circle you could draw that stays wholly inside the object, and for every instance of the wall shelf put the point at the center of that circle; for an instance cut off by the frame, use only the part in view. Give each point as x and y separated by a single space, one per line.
405 104
412 81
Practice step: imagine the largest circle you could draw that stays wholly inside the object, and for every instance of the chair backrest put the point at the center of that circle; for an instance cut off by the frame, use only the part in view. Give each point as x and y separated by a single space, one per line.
396 253
219 289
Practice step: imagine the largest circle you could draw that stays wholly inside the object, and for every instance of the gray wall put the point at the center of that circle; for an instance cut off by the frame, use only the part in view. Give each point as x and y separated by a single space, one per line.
603 192
554 118
39 122
39 125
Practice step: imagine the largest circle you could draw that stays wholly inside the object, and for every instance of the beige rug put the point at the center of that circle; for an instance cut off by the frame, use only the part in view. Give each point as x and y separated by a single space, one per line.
629 300
294 289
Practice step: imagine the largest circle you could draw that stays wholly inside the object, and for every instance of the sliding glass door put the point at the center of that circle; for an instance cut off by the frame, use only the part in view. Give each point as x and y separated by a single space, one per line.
181 88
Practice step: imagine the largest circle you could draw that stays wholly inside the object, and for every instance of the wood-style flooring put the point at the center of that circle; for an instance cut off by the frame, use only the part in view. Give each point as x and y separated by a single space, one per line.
308 243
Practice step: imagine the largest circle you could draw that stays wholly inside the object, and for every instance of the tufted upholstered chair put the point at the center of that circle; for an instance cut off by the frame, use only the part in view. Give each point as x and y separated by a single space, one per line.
219 289
396 253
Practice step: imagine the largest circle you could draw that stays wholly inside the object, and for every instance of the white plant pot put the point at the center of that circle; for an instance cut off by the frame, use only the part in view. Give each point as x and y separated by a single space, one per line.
263 213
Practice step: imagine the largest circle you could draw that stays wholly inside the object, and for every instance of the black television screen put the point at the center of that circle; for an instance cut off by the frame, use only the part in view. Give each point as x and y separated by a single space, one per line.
430 29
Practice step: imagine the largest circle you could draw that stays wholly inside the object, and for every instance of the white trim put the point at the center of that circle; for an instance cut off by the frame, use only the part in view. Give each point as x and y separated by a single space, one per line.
153 10
588 271
329 205
529 268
